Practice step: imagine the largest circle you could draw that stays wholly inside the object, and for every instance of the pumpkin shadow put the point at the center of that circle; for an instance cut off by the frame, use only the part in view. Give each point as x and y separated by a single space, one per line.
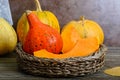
8 55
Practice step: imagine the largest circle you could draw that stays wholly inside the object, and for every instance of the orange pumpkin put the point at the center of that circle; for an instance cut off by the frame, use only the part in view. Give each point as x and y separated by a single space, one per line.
46 17
41 36
75 30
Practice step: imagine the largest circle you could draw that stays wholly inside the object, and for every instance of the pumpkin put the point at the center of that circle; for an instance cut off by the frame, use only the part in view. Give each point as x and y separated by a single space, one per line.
41 36
70 36
84 47
8 37
80 29
46 17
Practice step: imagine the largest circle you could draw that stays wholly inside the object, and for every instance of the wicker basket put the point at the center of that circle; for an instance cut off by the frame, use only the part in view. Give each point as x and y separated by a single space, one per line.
69 67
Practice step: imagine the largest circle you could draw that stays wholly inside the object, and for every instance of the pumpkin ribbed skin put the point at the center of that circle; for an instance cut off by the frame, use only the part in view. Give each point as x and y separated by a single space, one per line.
22 28
89 28
8 37
70 37
46 17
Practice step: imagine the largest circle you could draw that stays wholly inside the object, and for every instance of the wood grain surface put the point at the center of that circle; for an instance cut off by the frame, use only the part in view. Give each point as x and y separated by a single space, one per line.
9 70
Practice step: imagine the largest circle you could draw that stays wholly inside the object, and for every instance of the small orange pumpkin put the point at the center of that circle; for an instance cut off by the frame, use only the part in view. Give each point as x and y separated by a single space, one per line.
75 30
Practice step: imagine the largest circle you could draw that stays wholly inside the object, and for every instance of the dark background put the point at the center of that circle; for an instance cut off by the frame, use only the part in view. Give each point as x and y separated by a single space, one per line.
104 12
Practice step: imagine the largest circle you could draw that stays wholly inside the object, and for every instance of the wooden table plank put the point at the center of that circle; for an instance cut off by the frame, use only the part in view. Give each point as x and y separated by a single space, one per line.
9 69
7 60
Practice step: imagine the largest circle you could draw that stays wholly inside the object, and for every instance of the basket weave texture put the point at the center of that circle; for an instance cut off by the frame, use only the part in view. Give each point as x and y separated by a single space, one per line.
69 67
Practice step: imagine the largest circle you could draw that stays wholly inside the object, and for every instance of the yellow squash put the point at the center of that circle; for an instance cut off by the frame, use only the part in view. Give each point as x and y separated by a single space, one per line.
46 17
8 37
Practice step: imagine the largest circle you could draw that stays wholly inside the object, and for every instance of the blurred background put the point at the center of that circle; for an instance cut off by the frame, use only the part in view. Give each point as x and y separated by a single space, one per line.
104 12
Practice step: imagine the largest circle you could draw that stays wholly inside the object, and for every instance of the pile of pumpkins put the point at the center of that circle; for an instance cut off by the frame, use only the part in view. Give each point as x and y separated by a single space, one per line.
40 35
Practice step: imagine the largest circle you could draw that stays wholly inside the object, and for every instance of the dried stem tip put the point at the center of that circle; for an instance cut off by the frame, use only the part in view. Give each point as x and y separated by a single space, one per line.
28 12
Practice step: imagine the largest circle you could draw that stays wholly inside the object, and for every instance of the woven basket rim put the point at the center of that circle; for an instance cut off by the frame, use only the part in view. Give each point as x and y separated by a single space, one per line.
94 55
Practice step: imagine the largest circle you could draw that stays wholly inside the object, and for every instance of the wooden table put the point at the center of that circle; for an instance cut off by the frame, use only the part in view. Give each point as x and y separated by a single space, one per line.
9 70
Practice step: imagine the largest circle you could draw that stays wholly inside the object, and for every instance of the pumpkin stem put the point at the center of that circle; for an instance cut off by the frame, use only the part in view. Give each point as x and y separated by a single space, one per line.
82 18
28 12
38 6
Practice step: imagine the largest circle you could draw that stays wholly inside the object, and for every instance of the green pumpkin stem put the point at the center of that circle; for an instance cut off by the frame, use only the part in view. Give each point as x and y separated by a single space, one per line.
82 18
38 6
